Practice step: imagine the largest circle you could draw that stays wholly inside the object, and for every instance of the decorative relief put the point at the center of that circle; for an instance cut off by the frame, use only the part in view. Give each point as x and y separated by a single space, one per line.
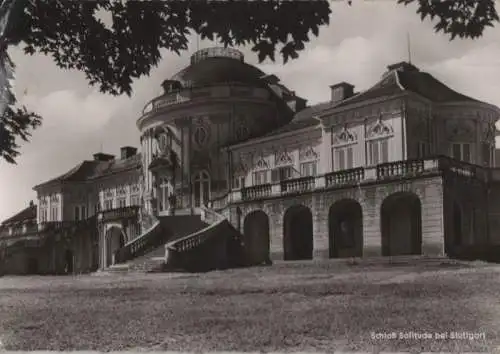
379 129
201 131
460 129
489 132
307 153
261 163
282 158
344 136
240 169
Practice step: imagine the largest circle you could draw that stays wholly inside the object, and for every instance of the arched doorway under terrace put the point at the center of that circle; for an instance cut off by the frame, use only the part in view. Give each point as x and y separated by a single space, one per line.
298 233
256 237
401 224
68 262
115 239
345 229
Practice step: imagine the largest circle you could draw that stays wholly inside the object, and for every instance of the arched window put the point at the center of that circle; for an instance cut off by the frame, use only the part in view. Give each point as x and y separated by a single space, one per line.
164 188
201 188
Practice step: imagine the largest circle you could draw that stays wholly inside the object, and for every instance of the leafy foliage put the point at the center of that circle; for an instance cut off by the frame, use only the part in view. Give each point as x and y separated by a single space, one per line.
113 55
462 18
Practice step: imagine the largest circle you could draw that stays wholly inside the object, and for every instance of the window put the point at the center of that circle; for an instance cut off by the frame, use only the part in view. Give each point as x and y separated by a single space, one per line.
238 182
77 213
122 202
84 212
343 158
378 151
461 151
281 173
96 208
43 214
308 168
53 214
134 200
487 154
108 204
260 177
423 149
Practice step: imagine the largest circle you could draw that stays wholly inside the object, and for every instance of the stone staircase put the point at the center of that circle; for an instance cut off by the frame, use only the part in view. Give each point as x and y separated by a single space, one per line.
182 243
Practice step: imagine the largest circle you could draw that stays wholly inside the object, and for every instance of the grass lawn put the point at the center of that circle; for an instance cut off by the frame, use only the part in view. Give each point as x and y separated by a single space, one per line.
293 307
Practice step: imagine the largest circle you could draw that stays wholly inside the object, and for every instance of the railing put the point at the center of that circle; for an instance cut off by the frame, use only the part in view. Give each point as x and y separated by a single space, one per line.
216 52
358 176
256 192
296 185
219 203
192 241
341 178
119 213
399 168
149 240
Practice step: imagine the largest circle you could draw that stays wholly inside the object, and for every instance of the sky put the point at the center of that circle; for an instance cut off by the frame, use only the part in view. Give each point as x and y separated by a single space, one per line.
356 47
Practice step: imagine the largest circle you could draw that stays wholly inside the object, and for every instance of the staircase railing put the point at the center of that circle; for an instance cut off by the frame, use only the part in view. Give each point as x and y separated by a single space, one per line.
207 248
148 241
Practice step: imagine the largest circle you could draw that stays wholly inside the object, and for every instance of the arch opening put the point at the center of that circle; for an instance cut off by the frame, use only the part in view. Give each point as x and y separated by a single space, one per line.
256 237
298 233
401 224
345 229
115 239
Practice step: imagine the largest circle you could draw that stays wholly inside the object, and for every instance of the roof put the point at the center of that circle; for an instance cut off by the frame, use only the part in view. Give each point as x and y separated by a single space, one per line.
408 78
88 170
214 70
25 214
116 166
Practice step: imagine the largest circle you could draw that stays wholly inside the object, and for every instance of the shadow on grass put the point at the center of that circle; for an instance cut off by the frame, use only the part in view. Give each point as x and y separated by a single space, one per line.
246 311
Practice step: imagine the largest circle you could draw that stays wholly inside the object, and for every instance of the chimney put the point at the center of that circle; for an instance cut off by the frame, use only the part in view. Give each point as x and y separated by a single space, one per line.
171 86
127 151
103 157
341 91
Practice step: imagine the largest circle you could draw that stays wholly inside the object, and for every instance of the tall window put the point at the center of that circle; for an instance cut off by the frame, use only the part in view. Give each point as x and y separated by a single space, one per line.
77 213
423 149
309 168
260 177
122 202
487 151
53 213
134 200
163 200
239 182
343 158
462 151
281 173
84 212
108 204
378 151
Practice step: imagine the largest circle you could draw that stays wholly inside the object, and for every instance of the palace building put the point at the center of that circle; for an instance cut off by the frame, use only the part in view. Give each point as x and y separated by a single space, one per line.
235 169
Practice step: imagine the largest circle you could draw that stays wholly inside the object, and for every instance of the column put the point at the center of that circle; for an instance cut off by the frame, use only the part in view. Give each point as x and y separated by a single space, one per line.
190 185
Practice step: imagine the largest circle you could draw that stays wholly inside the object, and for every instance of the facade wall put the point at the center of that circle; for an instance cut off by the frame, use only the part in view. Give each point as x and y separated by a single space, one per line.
429 192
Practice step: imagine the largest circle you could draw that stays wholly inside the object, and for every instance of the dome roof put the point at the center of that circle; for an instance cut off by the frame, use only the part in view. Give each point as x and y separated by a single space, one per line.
217 65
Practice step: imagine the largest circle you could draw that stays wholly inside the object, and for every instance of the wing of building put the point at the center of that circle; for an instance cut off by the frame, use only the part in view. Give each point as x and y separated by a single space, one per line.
236 169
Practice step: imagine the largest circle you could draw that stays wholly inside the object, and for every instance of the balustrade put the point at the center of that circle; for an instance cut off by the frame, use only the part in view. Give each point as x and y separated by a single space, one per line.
302 184
119 213
409 168
256 192
400 168
352 176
